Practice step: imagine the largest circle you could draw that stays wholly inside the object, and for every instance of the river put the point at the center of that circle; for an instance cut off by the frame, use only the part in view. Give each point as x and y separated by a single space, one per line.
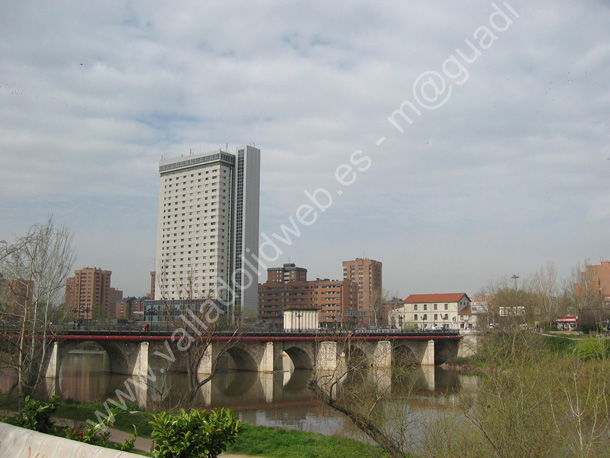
277 399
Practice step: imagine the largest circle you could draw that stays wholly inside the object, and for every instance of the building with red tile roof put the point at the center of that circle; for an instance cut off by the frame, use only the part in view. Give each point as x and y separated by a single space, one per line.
438 310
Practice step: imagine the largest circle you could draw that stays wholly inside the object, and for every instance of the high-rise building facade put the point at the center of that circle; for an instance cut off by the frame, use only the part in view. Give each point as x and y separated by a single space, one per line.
88 293
208 228
367 274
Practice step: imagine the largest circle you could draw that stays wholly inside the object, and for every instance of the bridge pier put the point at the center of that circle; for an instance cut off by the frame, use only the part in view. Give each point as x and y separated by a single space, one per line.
140 366
326 359
382 355
52 369
428 353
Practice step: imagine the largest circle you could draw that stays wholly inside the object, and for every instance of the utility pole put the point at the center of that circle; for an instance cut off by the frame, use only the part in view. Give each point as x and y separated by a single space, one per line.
515 310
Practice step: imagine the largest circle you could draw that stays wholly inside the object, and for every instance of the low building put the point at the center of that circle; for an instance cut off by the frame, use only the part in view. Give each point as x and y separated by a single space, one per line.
567 323
301 320
422 311
472 317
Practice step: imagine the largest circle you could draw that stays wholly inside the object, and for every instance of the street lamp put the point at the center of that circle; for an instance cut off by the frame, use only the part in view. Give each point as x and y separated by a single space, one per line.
298 315
516 278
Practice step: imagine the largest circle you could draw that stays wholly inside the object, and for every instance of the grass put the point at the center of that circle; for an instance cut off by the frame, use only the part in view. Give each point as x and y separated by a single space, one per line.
560 345
288 443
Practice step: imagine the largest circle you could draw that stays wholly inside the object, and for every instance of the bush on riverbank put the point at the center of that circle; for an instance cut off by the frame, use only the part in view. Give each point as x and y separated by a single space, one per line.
537 396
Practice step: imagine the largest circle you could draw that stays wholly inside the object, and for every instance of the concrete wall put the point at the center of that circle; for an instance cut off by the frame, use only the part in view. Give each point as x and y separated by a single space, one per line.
22 443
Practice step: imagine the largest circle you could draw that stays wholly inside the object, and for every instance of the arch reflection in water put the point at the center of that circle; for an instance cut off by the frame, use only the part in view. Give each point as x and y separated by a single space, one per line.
274 399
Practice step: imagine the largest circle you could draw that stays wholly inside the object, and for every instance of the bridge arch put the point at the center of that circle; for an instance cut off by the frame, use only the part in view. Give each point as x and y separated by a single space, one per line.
444 351
242 359
301 359
118 359
355 360
227 383
403 355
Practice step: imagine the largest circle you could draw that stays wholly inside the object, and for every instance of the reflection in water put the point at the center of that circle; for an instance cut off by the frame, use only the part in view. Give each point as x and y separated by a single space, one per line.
273 399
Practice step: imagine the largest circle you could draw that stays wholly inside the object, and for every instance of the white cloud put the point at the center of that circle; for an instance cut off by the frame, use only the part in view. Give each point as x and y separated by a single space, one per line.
93 94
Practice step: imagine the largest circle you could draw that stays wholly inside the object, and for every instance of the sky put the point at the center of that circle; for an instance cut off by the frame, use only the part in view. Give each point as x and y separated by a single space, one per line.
497 163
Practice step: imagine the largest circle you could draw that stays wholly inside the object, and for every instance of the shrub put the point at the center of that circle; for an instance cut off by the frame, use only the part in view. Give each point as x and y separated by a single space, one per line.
199 433
592 348
36 415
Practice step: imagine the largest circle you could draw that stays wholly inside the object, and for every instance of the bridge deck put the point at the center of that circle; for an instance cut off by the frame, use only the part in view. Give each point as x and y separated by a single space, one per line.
158 335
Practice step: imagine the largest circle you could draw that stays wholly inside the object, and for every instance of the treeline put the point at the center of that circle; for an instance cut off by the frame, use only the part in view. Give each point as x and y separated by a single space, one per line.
540 298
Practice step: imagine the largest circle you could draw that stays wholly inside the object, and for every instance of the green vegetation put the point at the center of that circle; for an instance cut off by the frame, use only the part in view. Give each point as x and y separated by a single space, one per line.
562 346
537 396
123 421
288 443
198 433
592 348
251 440
36 415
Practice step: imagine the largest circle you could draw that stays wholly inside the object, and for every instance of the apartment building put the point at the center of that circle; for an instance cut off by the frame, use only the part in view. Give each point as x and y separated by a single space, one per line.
287 299
367 275
88 293
208 227
595 281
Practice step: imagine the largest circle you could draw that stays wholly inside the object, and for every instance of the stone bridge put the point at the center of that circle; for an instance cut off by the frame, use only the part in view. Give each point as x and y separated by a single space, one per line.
129 354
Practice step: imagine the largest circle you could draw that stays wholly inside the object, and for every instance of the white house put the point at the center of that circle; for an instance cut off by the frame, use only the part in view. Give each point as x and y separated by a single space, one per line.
433 310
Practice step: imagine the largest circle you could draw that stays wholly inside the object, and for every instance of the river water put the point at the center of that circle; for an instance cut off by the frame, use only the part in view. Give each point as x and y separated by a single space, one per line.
278 399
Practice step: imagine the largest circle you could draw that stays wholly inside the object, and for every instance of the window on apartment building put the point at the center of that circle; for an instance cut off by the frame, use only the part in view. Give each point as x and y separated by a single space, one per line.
435 317
415 317
425 306
424 317
435 305
415 307
446 306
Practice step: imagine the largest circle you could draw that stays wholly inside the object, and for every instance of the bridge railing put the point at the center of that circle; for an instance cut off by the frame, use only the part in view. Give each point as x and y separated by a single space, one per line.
166 329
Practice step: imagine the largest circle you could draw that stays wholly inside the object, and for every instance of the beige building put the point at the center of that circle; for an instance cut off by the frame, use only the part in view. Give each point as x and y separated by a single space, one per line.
301 320
367 275
207 229
444 311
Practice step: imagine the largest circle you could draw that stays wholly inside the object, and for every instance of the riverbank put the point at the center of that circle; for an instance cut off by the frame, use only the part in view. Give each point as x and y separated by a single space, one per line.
253 441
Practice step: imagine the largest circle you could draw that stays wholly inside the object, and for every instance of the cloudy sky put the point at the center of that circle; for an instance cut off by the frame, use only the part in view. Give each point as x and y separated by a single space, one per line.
501 166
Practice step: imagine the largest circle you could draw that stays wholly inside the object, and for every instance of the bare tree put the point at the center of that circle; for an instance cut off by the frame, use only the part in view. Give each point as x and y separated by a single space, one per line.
34 269
583 406
205 332
364 394
545 287
583 290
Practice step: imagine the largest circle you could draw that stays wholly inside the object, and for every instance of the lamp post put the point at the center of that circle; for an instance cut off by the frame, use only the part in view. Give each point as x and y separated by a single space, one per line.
298 315
516 278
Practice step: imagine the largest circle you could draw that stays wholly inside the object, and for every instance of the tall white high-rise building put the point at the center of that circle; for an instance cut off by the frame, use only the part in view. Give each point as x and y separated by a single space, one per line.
208 220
